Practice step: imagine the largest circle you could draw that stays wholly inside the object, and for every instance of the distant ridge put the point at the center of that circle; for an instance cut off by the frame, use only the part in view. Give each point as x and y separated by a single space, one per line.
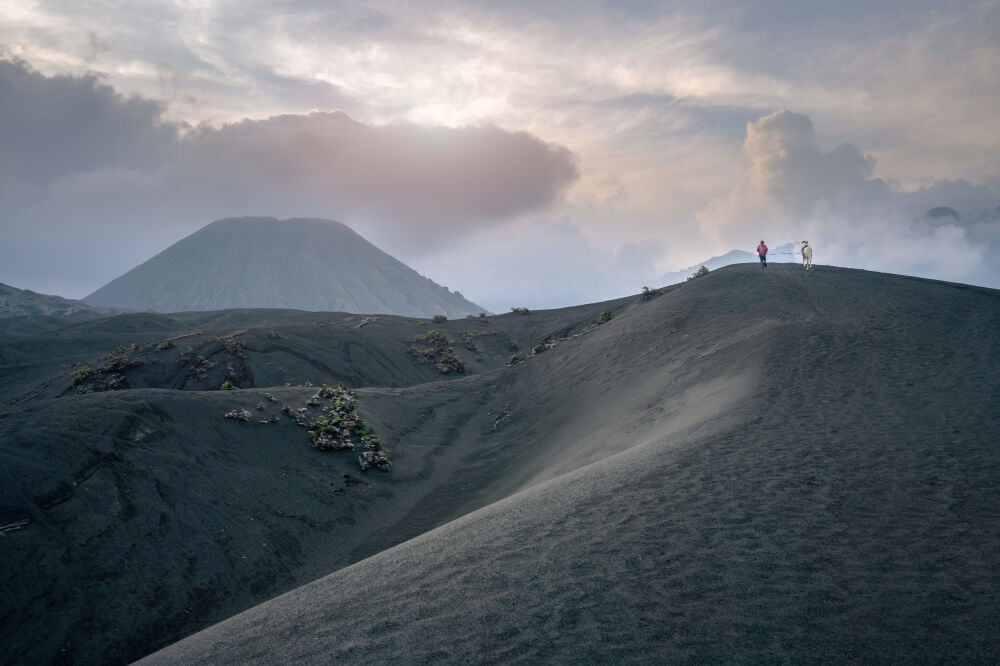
263 262
16 302
780 254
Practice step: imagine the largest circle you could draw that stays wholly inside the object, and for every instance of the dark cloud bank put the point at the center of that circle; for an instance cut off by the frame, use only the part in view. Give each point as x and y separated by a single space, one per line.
95 182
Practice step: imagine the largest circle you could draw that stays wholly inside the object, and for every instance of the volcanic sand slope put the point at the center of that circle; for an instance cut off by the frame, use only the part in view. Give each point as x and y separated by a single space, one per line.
262 262
756 465
131 518
782 466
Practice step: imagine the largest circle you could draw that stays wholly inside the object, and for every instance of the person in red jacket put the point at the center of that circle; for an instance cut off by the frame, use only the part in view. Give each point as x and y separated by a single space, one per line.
762 253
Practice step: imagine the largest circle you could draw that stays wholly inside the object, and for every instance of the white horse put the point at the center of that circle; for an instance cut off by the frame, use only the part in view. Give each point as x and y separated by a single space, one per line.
807 255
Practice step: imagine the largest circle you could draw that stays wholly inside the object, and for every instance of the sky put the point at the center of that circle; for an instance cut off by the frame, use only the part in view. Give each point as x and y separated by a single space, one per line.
535 154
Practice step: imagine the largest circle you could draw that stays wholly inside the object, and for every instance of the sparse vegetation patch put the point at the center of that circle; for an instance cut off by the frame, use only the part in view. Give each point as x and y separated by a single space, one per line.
236 347
110 375
121 359
80 375
540 347
604 318
701 272
340 428
435 347
517 358
239 414
201 367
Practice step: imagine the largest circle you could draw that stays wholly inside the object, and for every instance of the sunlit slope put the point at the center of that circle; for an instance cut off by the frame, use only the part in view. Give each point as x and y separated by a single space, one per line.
756 466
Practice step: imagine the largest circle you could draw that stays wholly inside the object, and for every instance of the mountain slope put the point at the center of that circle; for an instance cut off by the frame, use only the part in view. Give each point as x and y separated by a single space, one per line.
299 263
23 302
752 468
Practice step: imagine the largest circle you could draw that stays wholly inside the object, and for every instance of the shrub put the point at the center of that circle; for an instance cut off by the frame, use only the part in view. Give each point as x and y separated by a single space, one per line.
273 334
121 360
260 406
228 386
110 374
436 348
341 429
605 317
236 347
166 344
648 293
201 367
447 362
701 272
80 375
517 358
523 311
440 318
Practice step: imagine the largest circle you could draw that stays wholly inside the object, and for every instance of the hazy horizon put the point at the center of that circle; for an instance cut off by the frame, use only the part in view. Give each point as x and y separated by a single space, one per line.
533 155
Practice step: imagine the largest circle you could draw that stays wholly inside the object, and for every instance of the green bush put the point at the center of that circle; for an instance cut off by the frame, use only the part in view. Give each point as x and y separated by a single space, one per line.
236 347
517 358
436 348
341 429
440 318
701 272
80 375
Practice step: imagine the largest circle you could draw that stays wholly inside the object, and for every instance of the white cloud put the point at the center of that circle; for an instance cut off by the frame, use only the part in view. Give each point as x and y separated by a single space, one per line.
792 190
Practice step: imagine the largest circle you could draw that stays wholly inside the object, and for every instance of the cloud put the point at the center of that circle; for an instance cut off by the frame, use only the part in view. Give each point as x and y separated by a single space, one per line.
84 167
425 183
55 126
792 189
